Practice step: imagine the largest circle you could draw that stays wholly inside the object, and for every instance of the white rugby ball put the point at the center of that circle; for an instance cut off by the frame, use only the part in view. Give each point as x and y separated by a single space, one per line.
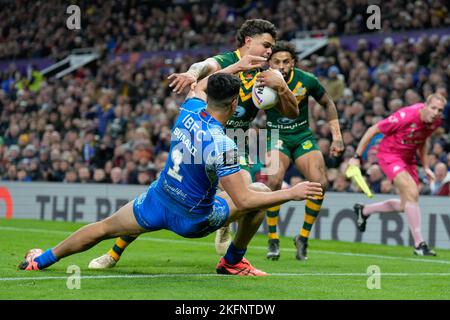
265 97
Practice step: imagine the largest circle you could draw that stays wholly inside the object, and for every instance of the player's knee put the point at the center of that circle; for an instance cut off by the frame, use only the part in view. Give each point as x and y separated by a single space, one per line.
324 185
259 186
412 195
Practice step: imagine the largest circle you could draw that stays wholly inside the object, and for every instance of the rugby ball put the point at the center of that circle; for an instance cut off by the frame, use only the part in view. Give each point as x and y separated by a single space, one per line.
265 97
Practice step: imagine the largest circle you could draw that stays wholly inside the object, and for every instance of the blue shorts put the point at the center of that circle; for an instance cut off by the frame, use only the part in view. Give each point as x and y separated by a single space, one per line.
153 213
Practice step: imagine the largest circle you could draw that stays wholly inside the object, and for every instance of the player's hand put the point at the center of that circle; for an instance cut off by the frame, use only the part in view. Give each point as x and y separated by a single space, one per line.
430 174
271 79
181 81
306 190
337 147
249 62
354 162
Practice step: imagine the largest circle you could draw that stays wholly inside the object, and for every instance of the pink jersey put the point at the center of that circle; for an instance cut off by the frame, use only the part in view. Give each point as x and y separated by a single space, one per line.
404 132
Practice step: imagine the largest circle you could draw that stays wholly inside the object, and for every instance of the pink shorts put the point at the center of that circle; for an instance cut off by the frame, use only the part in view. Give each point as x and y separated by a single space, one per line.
392 166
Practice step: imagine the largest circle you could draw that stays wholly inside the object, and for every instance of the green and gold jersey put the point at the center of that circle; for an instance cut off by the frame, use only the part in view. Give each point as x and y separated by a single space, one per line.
245 111
302 84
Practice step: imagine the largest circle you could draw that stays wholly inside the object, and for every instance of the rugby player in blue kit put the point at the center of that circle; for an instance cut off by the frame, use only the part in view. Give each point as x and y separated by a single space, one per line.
184 198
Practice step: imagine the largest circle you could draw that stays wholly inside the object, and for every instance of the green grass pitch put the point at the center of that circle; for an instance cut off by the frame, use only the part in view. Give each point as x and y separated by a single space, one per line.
164 266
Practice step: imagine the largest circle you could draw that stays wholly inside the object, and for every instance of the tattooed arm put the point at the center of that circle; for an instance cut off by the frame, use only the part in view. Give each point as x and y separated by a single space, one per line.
337 146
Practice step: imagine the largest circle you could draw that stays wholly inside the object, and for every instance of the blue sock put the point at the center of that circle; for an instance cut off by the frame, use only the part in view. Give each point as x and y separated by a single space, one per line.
234 255
46 259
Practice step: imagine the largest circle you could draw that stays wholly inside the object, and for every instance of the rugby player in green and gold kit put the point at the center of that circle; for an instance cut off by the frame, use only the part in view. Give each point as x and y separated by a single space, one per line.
296 142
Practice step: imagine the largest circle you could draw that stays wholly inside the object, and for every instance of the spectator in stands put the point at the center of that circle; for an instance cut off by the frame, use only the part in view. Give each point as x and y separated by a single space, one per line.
375 178
143 177
60 120
386 187
71 176
334 85
341 184
116 176
448 161
442 177
99 176
22 176
12 135
11 174
35 172
439 152
104 112
84 175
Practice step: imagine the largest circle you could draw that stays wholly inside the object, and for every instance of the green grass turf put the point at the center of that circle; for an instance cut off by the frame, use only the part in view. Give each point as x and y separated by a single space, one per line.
164 266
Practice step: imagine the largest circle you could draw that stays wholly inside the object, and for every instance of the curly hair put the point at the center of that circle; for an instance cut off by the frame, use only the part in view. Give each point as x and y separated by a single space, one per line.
285 46
254 27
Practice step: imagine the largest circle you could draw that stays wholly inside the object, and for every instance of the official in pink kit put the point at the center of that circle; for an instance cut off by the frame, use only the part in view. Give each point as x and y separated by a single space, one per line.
406 133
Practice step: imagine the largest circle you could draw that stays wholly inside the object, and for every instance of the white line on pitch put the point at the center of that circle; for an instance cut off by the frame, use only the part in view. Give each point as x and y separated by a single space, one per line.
210 244
140 276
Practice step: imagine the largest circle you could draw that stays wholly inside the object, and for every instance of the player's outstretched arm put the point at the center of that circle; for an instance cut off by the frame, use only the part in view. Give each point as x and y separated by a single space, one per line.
337 145
246 199
288 103
248 62
197 71
370 133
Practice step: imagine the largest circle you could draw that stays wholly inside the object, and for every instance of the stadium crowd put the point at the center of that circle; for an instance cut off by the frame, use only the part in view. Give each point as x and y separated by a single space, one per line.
31 29
112 123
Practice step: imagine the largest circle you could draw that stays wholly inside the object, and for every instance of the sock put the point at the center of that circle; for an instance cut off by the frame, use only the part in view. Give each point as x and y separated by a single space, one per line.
119 246
46 259
312 209
391 205
412 211
234 254
272 221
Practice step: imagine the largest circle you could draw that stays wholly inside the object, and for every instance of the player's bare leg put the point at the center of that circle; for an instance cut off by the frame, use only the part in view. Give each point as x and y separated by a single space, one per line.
274 182
408 203
233 261
409 197
120 223
312 166
223 235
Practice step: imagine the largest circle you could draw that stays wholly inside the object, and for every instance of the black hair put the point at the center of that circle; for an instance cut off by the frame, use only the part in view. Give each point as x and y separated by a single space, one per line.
281 46
254 27
222 88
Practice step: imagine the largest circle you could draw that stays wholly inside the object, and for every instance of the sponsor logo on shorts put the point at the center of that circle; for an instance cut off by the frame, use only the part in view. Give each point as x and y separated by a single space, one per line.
279 144
218 215
307 145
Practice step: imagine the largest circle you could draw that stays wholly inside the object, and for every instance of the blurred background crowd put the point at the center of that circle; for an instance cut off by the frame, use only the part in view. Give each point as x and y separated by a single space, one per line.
111 122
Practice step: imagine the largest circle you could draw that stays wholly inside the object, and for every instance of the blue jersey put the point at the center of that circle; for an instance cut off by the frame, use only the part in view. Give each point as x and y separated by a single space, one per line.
200 154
